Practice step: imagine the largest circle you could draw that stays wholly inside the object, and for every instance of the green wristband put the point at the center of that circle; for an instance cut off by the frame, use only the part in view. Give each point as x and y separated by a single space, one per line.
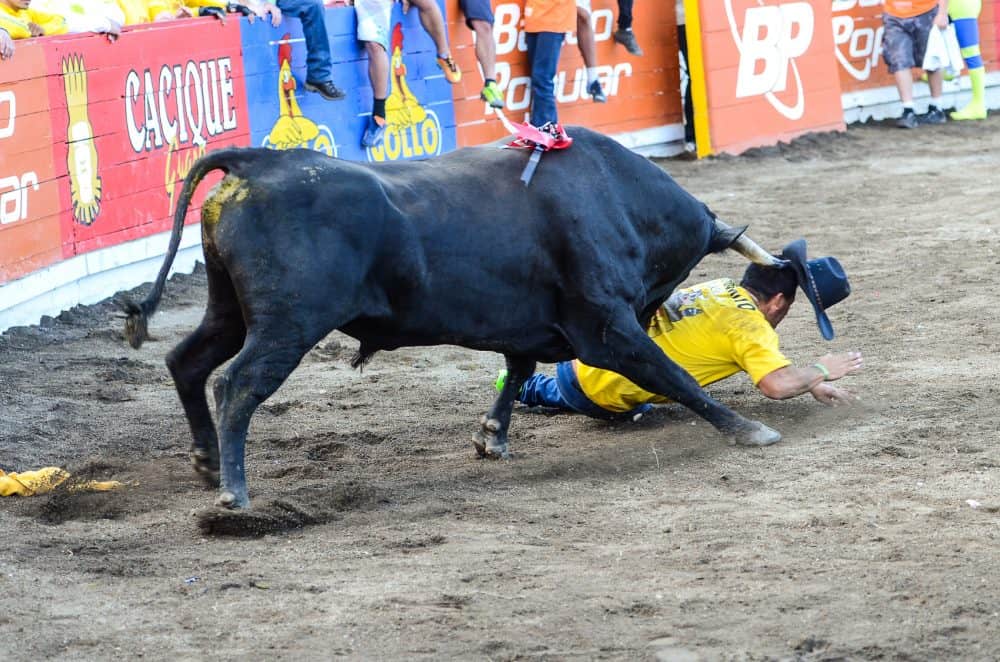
822 369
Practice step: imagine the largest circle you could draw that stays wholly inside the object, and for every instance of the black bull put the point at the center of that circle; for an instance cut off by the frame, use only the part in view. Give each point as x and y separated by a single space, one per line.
454 250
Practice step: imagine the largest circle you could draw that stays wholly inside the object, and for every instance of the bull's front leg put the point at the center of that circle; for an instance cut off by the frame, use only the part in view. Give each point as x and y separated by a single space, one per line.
491 438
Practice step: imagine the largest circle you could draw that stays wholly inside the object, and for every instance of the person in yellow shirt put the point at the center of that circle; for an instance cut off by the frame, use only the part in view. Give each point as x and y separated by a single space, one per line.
19 21
715 330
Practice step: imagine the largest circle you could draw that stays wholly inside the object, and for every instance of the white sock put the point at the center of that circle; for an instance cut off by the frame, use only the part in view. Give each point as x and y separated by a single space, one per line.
937 102
591 75
908 105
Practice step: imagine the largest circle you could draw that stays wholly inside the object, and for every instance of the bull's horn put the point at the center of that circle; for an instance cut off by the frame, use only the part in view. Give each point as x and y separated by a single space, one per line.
751 250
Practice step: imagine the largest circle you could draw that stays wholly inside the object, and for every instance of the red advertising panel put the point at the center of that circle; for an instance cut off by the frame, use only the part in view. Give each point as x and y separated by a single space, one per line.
770 72
643 92
131 117
29 200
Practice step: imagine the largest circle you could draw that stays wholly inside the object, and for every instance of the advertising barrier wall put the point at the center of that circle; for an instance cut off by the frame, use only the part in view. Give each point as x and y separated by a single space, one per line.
29 197
767 71
643 92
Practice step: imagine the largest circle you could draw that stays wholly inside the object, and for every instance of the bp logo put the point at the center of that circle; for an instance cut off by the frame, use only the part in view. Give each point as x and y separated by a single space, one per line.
293 129
772 37
412 131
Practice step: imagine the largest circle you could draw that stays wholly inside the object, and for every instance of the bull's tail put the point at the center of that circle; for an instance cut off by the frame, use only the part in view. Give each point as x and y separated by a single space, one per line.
725 236
137 319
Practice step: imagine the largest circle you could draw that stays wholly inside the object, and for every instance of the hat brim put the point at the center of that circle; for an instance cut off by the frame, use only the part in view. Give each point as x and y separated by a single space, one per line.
795 253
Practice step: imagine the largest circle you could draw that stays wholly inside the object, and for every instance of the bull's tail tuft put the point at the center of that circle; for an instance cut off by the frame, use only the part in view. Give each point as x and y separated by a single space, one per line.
136 323
137 314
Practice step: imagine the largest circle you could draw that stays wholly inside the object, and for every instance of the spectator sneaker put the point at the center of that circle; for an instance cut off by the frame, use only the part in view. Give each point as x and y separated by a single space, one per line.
934 116
451 71
492 95
908 120
374 133
596 92
627 39
326 89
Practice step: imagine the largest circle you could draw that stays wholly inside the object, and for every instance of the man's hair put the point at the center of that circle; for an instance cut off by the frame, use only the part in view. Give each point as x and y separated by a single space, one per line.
765 282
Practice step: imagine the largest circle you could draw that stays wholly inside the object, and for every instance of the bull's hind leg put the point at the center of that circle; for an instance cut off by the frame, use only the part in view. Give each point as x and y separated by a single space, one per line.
623 347
216 340
491 439
270 354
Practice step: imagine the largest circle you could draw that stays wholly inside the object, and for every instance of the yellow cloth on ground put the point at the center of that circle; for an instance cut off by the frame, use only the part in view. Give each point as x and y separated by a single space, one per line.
718 332
30 483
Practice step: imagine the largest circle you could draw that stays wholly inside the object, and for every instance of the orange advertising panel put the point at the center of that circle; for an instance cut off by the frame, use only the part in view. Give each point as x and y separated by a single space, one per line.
769 72
857 36
29 193
643 92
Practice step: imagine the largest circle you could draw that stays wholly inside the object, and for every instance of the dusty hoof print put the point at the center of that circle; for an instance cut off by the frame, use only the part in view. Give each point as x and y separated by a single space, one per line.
761 435
247 523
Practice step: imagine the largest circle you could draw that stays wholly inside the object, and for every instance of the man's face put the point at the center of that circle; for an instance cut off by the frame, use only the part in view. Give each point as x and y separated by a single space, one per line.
16 4
775 308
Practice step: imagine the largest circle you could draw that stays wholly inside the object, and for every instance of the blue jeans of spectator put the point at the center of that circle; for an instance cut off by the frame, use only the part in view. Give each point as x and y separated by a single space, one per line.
563 392
543 55
319 68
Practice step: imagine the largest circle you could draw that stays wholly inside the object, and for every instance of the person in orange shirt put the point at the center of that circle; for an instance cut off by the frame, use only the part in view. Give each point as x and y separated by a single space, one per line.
908 23
546 23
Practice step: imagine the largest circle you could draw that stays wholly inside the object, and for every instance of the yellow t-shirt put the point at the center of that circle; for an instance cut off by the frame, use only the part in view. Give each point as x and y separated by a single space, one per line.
712 330
15 22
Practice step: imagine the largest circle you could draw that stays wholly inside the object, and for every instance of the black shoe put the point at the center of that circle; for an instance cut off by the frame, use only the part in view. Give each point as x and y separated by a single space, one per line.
908 120
596 92
326 89
934 116
627 39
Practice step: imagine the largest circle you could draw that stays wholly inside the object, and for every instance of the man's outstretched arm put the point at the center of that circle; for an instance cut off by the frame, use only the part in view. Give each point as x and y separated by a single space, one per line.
791 381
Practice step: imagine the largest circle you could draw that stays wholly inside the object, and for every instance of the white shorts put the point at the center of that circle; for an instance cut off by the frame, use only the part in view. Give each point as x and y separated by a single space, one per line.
583 4
374 17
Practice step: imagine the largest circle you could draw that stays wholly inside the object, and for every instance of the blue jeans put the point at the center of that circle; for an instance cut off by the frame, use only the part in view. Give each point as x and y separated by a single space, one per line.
319 68
543 54
563 392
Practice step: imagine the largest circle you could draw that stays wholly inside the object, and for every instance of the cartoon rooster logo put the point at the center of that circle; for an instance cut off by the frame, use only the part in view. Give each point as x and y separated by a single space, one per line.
402 108
293 129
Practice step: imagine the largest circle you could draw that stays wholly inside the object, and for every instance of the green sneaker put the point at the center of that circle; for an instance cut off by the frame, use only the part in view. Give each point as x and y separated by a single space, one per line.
492 95
501 380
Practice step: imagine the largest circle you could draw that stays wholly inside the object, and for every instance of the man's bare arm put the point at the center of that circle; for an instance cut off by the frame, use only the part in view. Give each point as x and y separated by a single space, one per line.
791 381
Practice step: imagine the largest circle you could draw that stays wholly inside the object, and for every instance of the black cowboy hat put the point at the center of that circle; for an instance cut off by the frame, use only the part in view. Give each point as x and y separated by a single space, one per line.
822 279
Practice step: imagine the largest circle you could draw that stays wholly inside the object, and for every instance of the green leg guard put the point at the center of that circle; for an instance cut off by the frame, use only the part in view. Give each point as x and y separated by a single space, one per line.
975 109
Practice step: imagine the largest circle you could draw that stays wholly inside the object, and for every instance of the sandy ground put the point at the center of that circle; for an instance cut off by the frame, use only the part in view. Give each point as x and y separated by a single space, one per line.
854 538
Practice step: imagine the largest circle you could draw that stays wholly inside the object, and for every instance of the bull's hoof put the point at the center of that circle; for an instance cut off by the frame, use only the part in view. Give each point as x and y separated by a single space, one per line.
756 435
230 501
488 443
205 466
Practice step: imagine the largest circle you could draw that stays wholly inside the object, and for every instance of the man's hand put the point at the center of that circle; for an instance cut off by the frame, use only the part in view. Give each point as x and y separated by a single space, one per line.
841 365
941 18
264 10
6 45
35 29
833 396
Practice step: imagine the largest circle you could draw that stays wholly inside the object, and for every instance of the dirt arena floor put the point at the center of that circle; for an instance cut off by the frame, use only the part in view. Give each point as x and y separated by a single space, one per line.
869 533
